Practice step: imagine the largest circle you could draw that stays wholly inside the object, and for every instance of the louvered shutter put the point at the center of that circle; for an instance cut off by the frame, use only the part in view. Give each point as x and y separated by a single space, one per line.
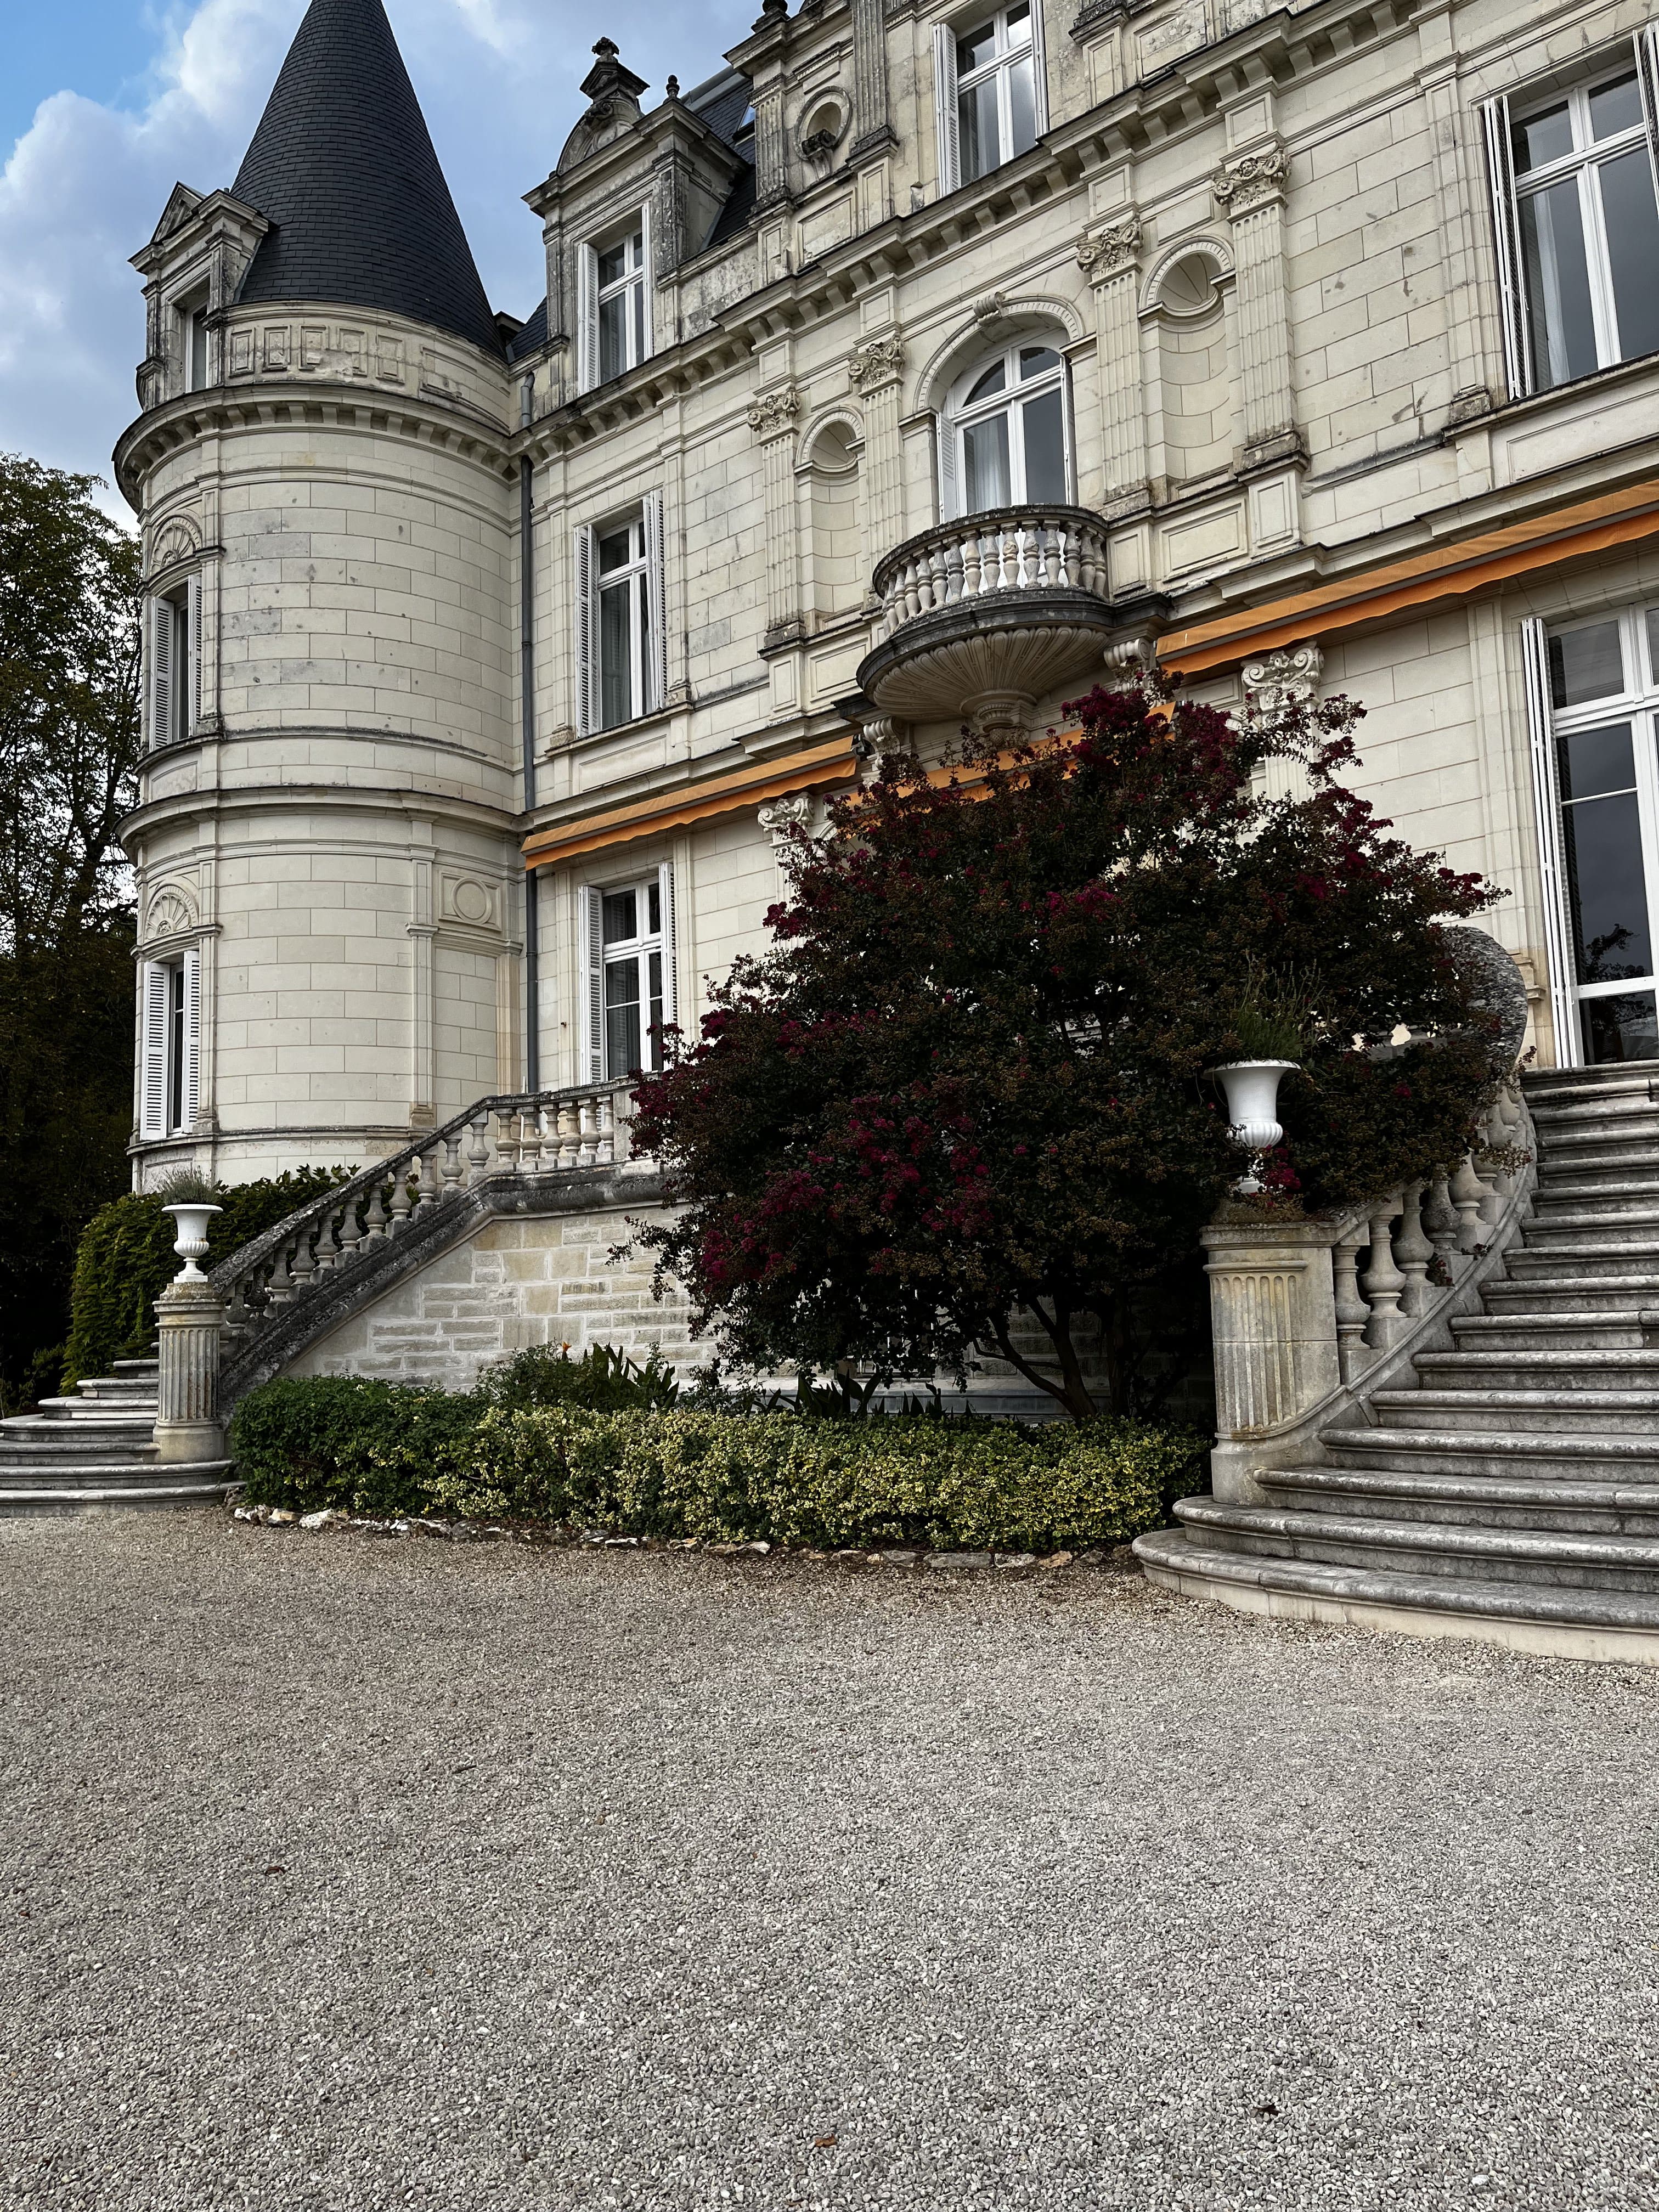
587 318
1039 68
1546 811
592 959
193 650
944 101
1511 273
656 643
161 671
945 438
649 280
1647 70
190 1088
587 639
153 1050
670 973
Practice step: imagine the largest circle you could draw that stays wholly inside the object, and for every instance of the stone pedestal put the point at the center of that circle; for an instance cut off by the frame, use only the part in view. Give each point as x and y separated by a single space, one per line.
190 1319
1272 1316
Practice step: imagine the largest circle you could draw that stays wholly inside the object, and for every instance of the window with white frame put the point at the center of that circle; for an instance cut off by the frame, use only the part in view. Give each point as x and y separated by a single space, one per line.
1004 440
989 85
628 939
1593 685
170 1058
175 662
193 342
614 293
1578 223
619 627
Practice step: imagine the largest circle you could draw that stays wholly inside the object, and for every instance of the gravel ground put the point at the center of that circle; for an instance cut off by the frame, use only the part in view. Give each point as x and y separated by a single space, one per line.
342 1873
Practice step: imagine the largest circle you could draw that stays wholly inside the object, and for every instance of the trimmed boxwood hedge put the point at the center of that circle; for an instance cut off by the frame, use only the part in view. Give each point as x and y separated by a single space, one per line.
126 1260
384 1449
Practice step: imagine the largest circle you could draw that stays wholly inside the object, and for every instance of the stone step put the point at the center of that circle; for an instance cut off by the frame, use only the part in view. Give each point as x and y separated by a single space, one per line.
103 1471
1615 1104
1553 1558
190 1482
1592 1169
148 1365
1569 1623
1605 1225
1534 1454
76 1436
1603 1261
1542 1084
1544 1294
1470 1500
1576 1369
1618 1327
1622 1413
101 1389
1631 1193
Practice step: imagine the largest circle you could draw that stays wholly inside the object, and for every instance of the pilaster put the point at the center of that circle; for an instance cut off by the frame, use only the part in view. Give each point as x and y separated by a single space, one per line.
1249 191
874 371
872 129
1109 255
772 417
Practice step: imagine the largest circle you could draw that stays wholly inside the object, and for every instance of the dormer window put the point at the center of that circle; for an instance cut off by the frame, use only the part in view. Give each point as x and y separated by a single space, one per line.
992 98
614 289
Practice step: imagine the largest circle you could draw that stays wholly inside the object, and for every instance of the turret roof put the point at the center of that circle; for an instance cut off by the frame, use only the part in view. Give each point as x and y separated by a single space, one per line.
343 168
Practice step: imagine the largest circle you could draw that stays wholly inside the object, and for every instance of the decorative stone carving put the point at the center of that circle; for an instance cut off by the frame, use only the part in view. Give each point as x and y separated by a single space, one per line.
170 912
991 308
1113 247
1289 678
784 820
177 539
190 1319
774 412
875 361
1252 181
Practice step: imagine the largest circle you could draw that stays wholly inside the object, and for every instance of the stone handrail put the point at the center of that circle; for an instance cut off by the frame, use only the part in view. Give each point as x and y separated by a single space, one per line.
1026 548
1302 1335
525 1132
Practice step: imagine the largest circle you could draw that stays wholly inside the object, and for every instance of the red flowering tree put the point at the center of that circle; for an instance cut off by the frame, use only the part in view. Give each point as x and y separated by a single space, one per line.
969 1080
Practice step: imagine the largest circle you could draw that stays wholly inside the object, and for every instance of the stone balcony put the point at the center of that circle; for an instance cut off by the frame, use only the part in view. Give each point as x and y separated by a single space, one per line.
985 617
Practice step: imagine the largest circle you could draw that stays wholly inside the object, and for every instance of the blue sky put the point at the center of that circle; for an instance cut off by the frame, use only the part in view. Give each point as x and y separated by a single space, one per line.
105 104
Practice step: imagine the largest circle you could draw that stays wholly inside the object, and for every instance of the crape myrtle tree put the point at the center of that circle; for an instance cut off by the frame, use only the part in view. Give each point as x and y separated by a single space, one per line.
969 1083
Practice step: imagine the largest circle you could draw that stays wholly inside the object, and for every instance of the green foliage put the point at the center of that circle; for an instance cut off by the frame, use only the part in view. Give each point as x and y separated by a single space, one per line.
605 1380
969 1080
184 1187
383 1448
126 1259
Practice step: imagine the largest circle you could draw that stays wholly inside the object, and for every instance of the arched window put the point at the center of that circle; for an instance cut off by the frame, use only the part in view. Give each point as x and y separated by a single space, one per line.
1005 441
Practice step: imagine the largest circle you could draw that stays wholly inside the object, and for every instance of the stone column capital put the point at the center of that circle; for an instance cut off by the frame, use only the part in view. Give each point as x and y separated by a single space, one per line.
1111 249
1251 181
772 414
875 361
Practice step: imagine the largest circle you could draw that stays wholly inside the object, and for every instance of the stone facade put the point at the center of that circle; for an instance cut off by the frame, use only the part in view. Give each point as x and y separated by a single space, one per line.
1274 265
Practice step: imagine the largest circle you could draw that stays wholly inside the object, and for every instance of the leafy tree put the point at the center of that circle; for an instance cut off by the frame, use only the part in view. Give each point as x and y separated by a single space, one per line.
69 751
969 1080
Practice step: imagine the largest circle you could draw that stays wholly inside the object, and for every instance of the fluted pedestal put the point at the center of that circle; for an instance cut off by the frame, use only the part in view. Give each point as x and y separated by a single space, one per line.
190 1318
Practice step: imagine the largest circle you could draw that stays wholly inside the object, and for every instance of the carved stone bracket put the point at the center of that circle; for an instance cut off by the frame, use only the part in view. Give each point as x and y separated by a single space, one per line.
1289 678
1110 250
875 361
772 414
1252 181
786 820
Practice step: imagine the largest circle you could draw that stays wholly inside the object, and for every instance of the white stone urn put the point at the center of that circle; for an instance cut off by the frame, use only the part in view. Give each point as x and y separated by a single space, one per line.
1252 1088
191 1241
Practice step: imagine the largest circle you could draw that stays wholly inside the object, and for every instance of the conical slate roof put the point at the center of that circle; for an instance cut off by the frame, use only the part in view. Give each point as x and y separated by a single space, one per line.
342 167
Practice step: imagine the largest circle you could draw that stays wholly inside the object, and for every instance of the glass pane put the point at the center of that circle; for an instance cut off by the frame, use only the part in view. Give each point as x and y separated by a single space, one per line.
1653 645
613 335
622 1019
1592 761
1036 361
1632 221
616 549
1607 887
976 124
198 335
1620 1028
1018 20
615 656
637 295
985 465
993 380
1543 139
613 263
1558 284
653 902
656 1009
617 920
1616 108
1586 664
1045 450
976 48
1022 109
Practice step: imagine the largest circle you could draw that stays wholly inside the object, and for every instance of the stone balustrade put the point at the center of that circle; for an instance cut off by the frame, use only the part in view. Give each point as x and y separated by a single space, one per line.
1014 549
1308 1314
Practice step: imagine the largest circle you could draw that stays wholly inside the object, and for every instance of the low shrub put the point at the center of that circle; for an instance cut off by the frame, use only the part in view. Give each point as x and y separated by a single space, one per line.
603 1380
126 1260
385 1448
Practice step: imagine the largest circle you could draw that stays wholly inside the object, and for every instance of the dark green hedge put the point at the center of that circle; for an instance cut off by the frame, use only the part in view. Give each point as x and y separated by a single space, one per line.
126 1260
385 1448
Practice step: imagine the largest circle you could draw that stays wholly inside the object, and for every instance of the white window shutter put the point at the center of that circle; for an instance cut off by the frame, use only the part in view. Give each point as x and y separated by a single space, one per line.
586 641
1511 273
944 101
194 652
670 993
153 1051
591 918
161 671
648 277
945 438
191 1086
587 318
1647 71
656 643
1546 810
1039 69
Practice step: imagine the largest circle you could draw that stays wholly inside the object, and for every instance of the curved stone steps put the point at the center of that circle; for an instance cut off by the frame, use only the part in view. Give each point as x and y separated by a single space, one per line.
1541 1502
1499 1452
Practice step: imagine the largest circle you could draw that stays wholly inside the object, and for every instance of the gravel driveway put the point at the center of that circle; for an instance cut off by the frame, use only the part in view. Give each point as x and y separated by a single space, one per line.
345 1872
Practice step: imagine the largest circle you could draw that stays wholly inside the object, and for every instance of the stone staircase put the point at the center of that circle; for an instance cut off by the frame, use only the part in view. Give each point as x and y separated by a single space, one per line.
1513 1495
95 1452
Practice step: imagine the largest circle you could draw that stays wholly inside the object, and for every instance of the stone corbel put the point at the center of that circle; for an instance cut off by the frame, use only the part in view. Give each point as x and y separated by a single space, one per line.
1287 677
786 820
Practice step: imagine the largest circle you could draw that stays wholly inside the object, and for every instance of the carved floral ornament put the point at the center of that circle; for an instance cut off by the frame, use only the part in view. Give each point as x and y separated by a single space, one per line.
1113 247
774 412
1251 182
782 819
177 540
1289 678
875 361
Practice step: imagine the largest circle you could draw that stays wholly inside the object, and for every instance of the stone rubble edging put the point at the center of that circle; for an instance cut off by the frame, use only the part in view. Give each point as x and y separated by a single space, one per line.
899 1558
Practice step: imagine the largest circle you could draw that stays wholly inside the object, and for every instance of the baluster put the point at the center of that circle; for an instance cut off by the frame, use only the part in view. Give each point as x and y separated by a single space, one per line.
374 1219
1383 1281
1054 556
1352 1311
507 1137
280 1289
1440 1223
1412 1253
302 1266
936 577
426 1191
1466 1191
604 1146
530 1132
236 1310
973 565
911 587
953 591
586 1151
402 1205
328 1250
567 1132
479 1151
1022 539
350 1235
452 1165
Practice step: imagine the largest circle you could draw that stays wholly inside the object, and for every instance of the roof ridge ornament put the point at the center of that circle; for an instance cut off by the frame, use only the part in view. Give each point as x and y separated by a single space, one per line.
610 74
